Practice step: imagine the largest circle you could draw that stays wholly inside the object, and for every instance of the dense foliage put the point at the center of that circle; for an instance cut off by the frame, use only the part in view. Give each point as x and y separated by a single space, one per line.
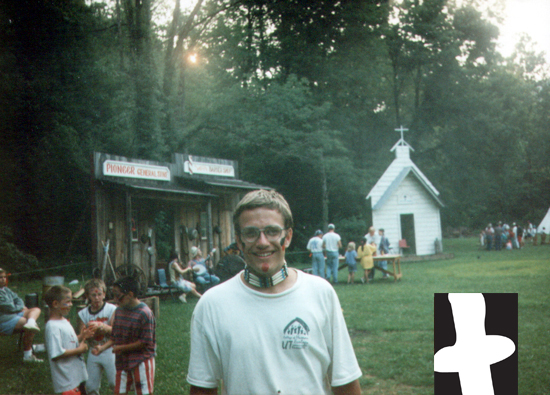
305 95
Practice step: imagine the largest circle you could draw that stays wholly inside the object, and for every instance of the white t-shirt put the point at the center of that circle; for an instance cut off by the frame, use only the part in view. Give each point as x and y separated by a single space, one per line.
331 240
315 244
104 316
67 373
294 342
375 238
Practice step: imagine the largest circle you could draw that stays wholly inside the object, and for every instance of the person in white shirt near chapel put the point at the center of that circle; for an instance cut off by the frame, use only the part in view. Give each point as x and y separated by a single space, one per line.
332 244
270 329
315 246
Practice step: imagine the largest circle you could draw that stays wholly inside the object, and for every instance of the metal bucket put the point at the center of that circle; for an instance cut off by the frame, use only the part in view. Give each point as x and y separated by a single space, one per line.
49 282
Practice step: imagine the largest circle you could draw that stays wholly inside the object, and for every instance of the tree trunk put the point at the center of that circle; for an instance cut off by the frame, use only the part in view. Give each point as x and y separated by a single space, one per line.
324 193
138 14
169 71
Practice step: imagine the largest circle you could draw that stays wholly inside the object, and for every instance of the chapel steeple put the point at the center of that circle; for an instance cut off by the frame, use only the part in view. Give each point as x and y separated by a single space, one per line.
402 148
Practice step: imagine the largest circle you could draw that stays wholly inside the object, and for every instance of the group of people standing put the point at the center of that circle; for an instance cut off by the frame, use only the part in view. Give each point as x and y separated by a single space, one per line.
119 339
504 236
539 238
328 245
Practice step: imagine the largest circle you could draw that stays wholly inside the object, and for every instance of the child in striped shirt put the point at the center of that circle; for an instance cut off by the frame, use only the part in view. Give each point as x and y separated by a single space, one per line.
133 340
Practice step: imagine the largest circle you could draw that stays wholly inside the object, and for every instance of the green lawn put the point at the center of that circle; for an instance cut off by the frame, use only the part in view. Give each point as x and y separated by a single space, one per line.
391 324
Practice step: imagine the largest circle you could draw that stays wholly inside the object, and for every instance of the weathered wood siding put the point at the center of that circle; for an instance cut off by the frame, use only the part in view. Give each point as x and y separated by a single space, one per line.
111 209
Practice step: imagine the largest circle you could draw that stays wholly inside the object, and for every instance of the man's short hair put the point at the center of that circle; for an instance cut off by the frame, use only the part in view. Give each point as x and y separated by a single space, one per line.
56 293
94 283
128 284
331 226
262 198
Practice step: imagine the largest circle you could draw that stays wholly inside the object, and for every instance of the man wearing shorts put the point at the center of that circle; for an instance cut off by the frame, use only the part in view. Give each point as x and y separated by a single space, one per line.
15 317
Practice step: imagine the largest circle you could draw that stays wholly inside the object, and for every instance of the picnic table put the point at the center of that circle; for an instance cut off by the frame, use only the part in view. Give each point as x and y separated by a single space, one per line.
394 259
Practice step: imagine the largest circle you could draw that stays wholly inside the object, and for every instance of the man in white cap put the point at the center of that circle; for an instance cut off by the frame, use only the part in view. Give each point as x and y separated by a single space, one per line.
332 243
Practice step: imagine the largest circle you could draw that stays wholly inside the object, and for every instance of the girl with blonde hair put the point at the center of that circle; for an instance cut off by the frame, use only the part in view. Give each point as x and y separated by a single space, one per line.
364 256
351 261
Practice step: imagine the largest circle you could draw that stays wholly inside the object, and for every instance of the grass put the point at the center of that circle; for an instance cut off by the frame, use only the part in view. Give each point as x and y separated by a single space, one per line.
391 324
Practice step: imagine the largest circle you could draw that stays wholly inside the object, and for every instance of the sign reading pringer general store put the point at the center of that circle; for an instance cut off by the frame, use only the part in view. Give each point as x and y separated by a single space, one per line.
135 170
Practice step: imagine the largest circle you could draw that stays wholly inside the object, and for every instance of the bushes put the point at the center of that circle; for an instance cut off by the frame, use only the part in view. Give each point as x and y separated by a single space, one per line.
11 258
351 229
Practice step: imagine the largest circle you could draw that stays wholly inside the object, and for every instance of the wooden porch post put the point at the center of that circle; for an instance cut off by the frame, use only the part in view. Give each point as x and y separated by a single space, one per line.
209 225
129 248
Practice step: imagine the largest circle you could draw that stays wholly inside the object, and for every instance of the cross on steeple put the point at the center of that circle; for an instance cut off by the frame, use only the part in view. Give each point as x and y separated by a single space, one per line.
401 142
402 129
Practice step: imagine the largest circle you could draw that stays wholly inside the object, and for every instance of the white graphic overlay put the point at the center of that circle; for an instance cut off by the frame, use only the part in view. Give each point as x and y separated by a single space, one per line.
474 351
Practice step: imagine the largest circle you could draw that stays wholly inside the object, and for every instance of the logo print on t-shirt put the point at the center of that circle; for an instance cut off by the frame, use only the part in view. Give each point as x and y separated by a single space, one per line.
296 335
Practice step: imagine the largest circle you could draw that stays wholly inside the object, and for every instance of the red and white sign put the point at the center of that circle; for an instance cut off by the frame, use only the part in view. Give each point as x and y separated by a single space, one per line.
135 170
210 169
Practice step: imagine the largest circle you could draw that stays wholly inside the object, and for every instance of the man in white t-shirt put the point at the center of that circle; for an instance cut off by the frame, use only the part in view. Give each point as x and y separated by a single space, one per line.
331 244
270 329
515 242
315 246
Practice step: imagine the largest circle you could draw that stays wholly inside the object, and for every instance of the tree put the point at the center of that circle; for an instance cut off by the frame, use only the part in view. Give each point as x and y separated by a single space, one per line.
148 139
305 95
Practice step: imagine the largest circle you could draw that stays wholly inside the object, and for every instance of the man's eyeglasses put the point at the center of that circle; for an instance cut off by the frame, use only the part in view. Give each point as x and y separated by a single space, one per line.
251 233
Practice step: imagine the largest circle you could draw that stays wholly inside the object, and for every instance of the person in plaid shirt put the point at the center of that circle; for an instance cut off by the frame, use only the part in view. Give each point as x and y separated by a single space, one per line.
133 340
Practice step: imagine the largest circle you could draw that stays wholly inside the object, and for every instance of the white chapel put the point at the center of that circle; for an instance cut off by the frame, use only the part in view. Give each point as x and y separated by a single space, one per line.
406 204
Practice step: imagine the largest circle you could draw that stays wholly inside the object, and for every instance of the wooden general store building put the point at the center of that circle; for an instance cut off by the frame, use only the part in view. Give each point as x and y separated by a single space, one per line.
192 199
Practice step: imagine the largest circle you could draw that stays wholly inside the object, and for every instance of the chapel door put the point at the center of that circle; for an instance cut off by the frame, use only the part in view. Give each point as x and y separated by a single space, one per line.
407 232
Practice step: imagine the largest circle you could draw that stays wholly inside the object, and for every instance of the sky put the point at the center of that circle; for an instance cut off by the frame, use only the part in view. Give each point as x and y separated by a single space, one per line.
526 16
